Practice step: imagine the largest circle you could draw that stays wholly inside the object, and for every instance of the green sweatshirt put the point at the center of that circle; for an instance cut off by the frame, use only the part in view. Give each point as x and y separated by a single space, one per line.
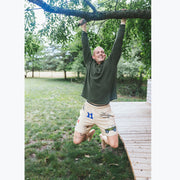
100 82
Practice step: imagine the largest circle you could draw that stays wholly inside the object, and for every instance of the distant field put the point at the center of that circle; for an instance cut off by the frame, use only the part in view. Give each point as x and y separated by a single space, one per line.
51 74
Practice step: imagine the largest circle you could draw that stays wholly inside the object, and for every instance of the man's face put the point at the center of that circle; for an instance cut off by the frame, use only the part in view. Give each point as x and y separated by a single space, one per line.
99 55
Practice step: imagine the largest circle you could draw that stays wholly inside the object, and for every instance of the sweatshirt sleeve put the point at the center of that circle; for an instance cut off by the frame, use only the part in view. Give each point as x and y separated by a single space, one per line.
86 49
117 47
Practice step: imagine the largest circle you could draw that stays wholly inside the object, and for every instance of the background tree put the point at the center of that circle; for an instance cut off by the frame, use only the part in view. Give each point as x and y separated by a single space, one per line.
78 65
32 45
56 59
75 49
29 17
65 62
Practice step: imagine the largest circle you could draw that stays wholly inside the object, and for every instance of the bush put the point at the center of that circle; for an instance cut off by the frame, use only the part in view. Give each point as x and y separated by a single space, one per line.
129 68
132 87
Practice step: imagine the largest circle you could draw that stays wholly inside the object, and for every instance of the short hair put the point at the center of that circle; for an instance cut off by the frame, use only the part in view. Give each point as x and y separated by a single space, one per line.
96 48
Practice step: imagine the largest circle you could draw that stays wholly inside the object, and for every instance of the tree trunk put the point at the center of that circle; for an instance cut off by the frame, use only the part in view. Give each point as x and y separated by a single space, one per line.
140 82
65 77
33 73
33 68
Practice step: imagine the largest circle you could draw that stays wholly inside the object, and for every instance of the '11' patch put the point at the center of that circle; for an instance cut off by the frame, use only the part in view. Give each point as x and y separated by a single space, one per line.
90 115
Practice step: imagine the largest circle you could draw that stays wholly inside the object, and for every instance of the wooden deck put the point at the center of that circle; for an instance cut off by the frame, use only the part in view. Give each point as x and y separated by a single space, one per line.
133 120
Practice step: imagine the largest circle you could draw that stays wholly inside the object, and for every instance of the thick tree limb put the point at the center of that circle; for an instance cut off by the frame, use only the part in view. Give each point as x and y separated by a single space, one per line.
96 15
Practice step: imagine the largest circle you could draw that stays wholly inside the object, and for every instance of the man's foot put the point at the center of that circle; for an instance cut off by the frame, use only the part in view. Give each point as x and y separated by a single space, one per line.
90 134
103 143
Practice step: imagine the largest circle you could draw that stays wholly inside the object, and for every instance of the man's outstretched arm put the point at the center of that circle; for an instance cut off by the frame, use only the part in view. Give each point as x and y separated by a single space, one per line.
117 47
85 43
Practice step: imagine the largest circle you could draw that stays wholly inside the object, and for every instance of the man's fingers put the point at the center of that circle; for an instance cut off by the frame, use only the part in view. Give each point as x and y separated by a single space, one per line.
81 22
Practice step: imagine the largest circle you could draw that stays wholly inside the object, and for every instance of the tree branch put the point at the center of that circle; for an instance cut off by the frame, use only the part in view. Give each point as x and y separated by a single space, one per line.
32 9
91 6
116 4
143 14
100 26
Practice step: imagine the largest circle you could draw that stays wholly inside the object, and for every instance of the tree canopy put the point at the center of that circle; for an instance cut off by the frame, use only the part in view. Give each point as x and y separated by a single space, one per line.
65 8
103 18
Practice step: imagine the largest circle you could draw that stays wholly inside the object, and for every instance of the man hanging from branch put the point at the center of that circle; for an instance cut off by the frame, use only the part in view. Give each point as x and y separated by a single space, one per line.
99 89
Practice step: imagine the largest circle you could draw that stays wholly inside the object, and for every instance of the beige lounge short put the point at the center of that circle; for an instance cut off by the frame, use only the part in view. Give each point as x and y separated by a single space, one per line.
101 116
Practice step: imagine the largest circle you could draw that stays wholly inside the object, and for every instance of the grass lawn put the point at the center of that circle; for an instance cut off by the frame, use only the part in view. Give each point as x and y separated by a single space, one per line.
51 111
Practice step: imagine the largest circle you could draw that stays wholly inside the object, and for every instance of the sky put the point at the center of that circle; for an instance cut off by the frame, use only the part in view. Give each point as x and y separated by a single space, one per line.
40 18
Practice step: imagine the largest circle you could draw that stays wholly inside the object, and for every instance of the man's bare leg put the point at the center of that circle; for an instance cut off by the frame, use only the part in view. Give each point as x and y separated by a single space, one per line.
110 140
79 137
90 134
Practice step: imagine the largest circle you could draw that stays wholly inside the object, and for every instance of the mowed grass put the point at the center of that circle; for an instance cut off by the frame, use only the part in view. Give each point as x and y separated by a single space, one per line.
51 111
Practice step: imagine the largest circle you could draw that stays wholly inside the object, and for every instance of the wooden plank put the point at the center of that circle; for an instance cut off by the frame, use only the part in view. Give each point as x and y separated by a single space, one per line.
140 155
132 124
128 131
136 136
138 146
135 123
145 147
138 150
137 141
139 129
120 118
120 125
142 173
140 132
135 127
127 127
139 165
143 178
141 160
133 138
130 115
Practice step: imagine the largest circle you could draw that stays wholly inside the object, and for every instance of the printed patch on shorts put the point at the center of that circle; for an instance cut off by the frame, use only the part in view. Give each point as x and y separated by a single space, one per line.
110 129
105 115
89 115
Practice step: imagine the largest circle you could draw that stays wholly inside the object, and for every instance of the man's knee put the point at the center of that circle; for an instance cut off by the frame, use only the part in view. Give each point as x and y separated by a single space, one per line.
113 141
78 137
76 141
114 144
